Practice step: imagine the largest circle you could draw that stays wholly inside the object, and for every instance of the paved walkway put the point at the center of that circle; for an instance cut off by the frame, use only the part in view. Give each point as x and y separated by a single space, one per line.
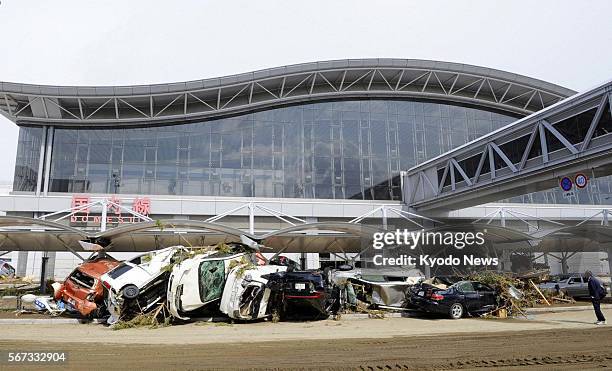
346 328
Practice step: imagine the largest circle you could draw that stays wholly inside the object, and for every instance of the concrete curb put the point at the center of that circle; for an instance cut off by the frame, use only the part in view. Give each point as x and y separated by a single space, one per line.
350 316
38 321
565 309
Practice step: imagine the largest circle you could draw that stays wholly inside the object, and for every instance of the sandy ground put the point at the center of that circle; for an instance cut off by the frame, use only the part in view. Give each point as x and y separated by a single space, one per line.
565 340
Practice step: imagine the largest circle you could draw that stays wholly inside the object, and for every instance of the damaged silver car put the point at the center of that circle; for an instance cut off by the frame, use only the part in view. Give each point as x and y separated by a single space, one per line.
378 287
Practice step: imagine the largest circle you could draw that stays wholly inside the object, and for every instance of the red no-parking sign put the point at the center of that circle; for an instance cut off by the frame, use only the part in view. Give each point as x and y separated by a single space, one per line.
581 180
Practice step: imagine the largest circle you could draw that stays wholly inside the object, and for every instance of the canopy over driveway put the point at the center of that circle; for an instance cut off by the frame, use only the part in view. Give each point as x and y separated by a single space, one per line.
585 237
27 234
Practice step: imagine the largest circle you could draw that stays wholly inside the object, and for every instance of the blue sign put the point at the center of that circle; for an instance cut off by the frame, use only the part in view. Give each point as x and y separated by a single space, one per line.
566 184
581 180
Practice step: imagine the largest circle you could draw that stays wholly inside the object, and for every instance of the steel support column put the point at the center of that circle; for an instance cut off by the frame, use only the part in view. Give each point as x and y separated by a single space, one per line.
610 262
48 152
41 161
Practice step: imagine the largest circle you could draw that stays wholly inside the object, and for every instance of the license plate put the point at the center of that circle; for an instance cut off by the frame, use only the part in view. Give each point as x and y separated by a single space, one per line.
420 293
300 286
39 304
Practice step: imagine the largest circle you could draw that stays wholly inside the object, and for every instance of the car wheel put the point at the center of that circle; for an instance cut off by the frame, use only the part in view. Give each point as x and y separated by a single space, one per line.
130 292
456 311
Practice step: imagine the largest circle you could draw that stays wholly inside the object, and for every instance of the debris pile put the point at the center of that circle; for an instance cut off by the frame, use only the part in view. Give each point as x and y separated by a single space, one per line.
234 280
516 293
155 319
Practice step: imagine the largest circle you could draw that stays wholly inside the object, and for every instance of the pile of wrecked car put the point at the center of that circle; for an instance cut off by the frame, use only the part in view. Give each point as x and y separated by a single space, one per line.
191 282
229 279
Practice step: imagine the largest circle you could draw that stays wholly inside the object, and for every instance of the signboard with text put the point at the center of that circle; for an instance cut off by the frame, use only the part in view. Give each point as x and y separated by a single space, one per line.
115 213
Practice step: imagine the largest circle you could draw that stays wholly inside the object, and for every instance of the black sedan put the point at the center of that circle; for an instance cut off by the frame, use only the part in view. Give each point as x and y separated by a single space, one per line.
457 300
302 295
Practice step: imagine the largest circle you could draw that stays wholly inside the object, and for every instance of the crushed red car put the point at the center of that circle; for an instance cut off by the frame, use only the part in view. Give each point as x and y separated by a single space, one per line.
82 290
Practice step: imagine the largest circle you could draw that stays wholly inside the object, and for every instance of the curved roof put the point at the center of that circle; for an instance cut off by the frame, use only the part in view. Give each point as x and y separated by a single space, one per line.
492 233
38 224
146 236
584 237
27 234
170 225
308 82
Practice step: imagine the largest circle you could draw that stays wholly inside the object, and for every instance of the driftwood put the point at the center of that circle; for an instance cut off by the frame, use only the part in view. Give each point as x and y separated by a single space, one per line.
539 292
562 299
518 308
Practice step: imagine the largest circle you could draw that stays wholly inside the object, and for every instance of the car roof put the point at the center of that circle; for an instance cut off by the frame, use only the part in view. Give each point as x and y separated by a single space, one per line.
98 267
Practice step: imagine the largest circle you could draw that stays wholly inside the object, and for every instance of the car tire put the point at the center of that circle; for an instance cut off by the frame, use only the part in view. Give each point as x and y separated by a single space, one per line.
130 292
455 311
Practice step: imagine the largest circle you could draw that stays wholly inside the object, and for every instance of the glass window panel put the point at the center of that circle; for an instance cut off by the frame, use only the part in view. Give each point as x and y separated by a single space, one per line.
329 150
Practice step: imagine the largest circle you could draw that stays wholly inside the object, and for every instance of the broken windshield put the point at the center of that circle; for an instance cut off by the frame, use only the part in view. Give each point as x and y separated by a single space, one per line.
211 280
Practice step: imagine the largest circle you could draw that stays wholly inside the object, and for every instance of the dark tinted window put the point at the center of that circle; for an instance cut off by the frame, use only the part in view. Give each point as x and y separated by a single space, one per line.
119 270
481 287
465 286
82 279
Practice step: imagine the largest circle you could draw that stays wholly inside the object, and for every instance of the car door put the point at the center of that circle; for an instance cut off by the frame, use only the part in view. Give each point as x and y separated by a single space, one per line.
574 286
583 288
486 294
471 298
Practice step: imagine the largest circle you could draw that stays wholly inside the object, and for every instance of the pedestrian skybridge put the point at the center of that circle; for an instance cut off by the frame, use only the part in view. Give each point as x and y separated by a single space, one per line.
532 154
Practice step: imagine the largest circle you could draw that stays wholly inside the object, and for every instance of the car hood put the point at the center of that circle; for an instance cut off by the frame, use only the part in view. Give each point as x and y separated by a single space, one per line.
98 267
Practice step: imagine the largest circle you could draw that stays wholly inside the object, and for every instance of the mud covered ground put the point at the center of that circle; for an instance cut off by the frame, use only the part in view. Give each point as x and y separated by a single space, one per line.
560 341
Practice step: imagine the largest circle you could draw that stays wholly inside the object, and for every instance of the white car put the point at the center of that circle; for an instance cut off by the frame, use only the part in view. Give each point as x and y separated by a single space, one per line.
139 284
198 281
245 296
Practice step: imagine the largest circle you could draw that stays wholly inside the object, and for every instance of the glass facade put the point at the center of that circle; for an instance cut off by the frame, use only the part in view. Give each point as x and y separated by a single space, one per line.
28 158
345 149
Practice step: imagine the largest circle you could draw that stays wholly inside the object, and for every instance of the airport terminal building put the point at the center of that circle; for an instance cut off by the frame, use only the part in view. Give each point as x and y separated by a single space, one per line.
325 142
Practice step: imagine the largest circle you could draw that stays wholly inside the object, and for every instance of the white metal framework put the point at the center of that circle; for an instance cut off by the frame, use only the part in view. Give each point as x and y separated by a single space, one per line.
528 155
363 78
384 212
502 213
104 204
252 207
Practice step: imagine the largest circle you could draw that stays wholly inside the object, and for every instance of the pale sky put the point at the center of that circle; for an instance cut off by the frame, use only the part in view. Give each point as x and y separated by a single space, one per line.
140 42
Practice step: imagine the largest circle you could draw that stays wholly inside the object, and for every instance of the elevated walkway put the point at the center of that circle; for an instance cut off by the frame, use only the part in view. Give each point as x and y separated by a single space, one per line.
529 155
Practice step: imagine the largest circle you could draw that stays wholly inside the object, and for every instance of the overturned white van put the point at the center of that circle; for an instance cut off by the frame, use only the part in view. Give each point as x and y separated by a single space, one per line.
246 295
